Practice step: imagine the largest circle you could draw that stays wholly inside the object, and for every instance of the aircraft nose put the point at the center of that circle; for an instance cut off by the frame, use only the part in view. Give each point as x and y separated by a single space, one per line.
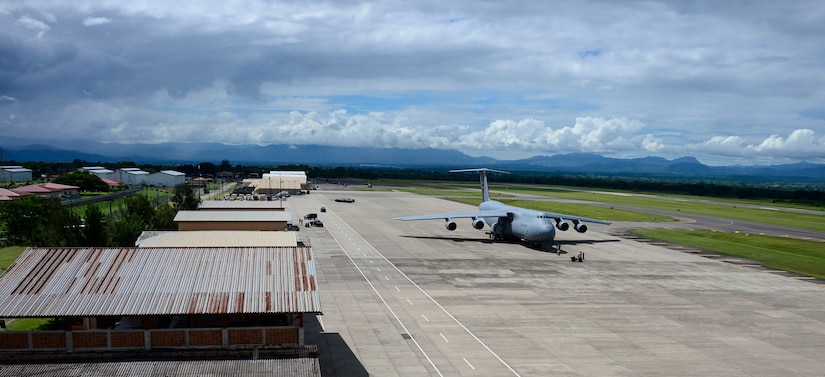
547 232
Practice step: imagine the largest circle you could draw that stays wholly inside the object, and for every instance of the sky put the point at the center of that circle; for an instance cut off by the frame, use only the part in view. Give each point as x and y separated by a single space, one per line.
729 82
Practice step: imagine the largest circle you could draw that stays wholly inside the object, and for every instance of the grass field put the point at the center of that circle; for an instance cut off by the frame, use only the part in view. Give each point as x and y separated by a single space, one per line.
593 212
697 205
8 256
800 256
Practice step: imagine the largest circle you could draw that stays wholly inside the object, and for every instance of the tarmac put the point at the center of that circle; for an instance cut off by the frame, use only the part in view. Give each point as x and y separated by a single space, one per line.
413 299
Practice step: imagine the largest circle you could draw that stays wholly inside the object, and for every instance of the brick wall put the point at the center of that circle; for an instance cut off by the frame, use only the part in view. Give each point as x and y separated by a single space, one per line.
14 340
89 339
282 336
245 337
127 339
171 338
115 339
200 338
48 339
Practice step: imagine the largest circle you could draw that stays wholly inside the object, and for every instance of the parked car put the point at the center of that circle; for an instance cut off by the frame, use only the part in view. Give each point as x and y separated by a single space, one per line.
293 227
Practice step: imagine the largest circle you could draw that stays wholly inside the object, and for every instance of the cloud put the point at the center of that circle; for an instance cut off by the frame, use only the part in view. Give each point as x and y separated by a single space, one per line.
34 24
588 134
501 78
800 144
95 21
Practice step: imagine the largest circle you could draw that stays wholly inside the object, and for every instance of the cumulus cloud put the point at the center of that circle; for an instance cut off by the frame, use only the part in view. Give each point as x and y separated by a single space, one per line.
588 134
95 21
801 144
501 79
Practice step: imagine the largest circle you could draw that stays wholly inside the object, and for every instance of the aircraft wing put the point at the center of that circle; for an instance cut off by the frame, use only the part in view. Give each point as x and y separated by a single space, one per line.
456 215
560 216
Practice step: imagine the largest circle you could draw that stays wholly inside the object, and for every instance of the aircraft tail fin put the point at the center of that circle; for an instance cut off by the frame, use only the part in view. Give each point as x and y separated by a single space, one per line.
482 172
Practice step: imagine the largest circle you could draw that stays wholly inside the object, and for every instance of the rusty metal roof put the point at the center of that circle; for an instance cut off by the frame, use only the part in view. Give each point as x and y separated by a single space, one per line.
51 282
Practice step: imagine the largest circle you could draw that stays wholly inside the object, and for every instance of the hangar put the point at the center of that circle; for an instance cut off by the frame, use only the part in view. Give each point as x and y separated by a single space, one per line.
232 220
115 299
166 178
217 238
15 174
241 205
276 181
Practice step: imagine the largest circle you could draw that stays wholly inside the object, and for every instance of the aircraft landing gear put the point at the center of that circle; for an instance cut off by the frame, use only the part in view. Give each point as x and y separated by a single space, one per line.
559 251
578 258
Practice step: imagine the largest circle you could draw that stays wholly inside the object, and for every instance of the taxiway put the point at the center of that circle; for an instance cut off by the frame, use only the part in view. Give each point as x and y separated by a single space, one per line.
412 299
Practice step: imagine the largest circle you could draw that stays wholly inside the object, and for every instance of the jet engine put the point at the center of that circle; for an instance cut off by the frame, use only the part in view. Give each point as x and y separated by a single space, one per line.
450 225
580 227
561 225
478 223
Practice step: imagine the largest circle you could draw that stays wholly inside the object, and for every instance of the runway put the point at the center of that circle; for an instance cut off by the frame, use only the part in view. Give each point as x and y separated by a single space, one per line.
412 299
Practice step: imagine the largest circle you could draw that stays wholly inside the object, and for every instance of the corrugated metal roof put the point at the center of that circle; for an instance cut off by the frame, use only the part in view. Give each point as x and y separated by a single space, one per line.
218 238
242 204
233 216
207 366
51 282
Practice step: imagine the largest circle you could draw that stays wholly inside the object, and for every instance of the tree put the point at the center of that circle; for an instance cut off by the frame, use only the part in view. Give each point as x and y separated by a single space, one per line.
39 221
140 208
22 219
207 169
94 231
61 227
83 179
165 218
185 199
124 231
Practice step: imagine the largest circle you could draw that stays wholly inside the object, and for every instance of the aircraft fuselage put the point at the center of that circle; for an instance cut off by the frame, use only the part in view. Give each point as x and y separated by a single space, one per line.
524 224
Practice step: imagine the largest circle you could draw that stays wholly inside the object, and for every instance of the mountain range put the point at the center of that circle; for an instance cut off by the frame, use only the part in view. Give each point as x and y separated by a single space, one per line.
278 154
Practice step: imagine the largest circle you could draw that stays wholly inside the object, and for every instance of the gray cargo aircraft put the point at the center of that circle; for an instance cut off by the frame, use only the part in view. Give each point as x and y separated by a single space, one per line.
510 222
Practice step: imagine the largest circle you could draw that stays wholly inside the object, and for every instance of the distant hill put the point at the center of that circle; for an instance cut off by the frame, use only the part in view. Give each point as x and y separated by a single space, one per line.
579 163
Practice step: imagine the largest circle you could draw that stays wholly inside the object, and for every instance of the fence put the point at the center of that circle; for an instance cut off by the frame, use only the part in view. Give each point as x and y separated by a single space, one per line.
112 340
101 198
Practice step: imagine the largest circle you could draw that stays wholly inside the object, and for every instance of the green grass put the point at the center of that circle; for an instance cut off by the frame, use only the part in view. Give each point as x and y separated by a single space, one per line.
801 256
690 205
446 192
30 324
593 212
8 255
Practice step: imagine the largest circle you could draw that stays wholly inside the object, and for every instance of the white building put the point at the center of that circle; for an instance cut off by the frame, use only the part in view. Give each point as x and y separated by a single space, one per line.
100 171
277 181
132 176
15 174
166 178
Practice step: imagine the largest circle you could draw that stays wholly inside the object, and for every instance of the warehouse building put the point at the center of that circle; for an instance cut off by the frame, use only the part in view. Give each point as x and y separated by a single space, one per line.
232 220
116 299
15 174
165 178
217 238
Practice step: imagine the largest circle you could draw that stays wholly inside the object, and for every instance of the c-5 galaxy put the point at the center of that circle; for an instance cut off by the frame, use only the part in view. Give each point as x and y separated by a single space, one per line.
511 222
